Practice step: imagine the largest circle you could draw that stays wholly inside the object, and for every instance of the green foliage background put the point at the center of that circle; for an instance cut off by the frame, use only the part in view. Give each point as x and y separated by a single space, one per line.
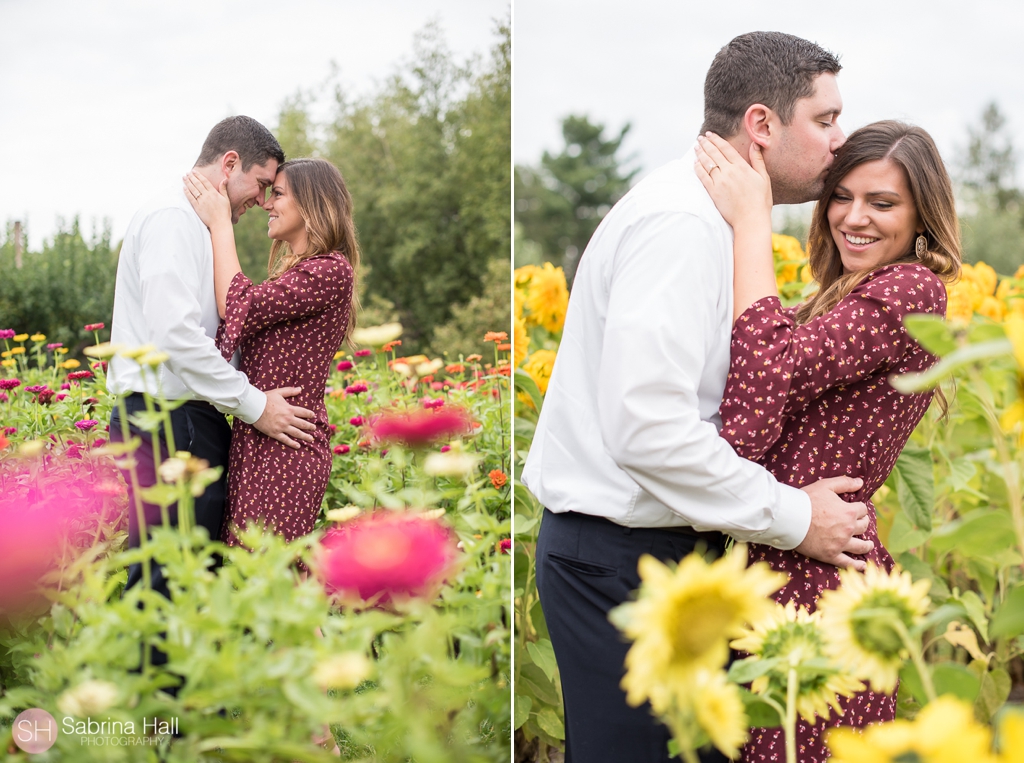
426 158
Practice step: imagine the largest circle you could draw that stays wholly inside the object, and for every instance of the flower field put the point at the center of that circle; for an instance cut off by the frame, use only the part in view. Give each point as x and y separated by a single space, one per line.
947 625
395 646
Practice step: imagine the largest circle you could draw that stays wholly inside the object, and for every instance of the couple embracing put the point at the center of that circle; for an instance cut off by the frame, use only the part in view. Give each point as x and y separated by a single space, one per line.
259 352
687 405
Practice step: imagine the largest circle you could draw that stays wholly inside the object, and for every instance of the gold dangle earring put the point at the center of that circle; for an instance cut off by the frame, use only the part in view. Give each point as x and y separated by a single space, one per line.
921 246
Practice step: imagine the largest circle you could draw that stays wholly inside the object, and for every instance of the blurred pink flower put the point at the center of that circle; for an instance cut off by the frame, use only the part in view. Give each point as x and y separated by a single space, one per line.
419 428
382 556
9 383
86 425
74 375
358 353
94 326
355 389
357 421
341 450
7 333
504 545
345 365
54 346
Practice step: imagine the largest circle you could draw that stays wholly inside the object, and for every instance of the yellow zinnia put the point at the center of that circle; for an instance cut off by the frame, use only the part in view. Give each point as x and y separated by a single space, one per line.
20 337
960 301
18 350
684 618
547 298
992 308
943 732
794 636
985 277
539 366
862 620
38 337
70 363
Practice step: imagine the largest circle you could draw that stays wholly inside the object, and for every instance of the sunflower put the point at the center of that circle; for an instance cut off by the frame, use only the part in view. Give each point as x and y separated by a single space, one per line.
794 637
865 621
683 620
718 709
547 298
1011 737
943 732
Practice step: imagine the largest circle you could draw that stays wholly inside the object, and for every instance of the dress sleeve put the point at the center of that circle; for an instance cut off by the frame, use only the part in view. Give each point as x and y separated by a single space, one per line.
310 287
778 367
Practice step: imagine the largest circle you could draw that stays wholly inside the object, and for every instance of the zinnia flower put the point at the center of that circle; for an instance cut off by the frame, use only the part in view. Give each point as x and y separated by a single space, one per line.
6 384
79 375
38 337
495 336
363 353
539 366
505 545
345 365
341 450
54 345
498 478
684 619
357 421
862 621
419 428
945 731
380 557
794 638
94 326
21 337
547 298
376 336
355 389
88 698
6 333
86 425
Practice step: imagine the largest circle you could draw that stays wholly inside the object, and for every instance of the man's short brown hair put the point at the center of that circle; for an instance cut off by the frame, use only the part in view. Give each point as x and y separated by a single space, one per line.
253 142
771 68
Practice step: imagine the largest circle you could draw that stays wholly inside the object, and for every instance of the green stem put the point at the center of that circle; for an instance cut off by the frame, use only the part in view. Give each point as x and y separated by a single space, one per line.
918 657
792 686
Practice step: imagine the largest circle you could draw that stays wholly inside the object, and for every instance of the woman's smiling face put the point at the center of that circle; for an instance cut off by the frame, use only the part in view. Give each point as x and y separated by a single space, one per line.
872 215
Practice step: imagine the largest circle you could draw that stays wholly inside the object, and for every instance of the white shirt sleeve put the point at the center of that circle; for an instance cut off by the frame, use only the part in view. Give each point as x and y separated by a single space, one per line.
658 327
170 275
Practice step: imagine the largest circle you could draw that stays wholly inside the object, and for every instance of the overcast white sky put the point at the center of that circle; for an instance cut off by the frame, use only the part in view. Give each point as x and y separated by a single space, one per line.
102 102
935 63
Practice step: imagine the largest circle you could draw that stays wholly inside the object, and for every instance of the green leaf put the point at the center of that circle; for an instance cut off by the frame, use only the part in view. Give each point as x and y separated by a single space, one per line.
760 714
931 332
544 657
161 495
147 421
548 720
954 678
522 710
745 671
915 485
995 689
973 353
961 471
525 383
523 525
981 533
904 536
976 611
1008 620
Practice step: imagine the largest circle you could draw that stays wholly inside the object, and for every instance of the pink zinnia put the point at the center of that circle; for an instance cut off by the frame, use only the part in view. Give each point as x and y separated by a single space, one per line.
86 425
35 389
94 326
9 383
431 403
387 555
358 353
341 450
504 545
75 375
54 346
419 428
355 389
99 442
345 365
61 395
357 421
7 333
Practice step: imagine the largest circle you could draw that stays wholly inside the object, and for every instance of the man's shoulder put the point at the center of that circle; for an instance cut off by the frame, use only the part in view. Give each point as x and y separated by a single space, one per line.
672 189
167 205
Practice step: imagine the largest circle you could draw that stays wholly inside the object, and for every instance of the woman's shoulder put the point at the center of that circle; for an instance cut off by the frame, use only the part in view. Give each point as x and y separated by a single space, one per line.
325 262
909 272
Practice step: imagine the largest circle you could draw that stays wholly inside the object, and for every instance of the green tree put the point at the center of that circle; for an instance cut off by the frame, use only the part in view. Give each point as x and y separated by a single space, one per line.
61 288
993 223
560 203
427 161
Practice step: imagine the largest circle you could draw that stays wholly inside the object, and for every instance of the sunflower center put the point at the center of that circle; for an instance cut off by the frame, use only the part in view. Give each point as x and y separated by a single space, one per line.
875 629
709 619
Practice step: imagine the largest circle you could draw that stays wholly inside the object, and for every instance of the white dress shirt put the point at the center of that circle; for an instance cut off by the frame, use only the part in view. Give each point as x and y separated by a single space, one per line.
164 296
629 427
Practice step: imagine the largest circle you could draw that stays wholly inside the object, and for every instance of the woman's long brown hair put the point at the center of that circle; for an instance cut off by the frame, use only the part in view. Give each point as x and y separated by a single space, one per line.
913 150
325 205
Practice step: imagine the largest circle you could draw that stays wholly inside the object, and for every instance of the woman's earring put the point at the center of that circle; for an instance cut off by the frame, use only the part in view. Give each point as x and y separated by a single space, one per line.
920 246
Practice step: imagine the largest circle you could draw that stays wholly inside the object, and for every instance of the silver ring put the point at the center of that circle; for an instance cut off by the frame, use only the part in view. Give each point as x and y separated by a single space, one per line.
713 168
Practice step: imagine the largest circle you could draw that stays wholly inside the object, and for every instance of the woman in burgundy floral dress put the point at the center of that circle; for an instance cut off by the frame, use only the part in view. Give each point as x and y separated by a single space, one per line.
807 394
287 329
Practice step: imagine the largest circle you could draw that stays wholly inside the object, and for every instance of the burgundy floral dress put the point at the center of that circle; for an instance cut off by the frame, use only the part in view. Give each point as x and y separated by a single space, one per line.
288 330
812 401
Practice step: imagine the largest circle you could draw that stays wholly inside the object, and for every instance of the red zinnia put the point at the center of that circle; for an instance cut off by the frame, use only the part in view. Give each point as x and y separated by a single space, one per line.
341 450
345 365
386 555
94 326
363 353
355 389
504 545
74 375
9 383
419 428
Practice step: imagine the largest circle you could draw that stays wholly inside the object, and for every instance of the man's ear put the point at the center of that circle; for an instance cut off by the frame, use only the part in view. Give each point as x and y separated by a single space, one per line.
229 161
759 124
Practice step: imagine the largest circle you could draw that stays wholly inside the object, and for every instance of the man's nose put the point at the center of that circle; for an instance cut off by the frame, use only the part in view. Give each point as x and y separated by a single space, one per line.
838 138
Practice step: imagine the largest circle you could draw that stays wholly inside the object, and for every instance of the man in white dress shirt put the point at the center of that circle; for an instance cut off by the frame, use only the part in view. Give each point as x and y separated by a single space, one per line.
164 296
626 457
